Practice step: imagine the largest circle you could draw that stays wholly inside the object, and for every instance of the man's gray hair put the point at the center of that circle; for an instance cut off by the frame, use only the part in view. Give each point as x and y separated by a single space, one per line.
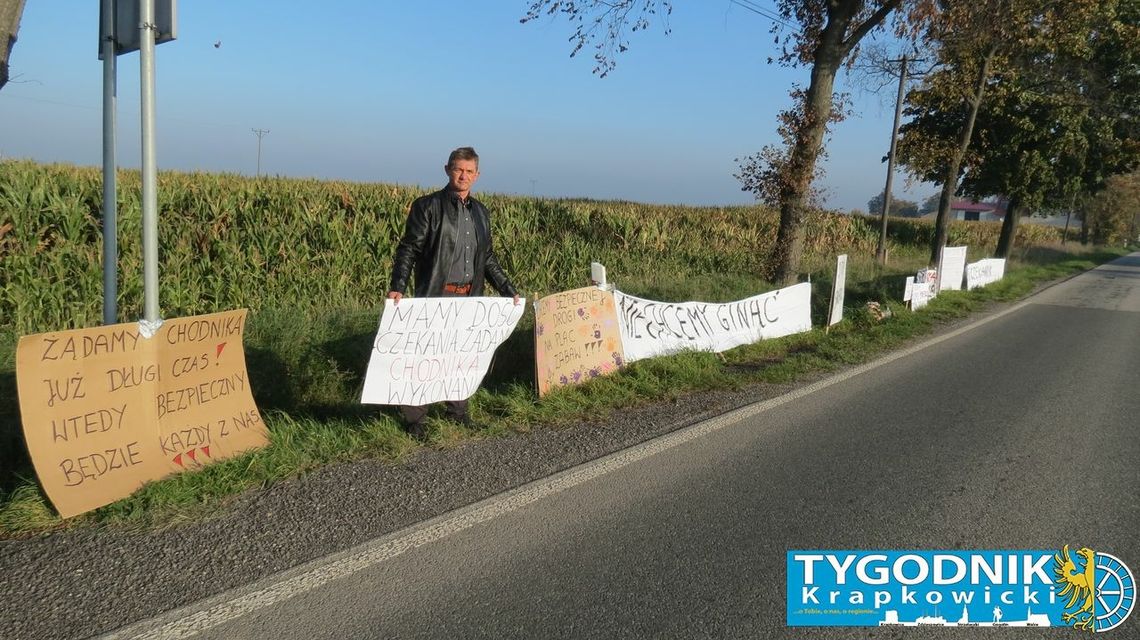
463 153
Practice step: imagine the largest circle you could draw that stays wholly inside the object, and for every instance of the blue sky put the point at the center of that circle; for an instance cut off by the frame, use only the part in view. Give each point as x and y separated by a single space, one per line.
380 91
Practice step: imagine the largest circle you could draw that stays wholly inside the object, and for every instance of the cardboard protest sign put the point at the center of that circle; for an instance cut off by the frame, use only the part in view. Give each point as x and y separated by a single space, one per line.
983 272
204 403
838 289
953 268
576 337
908 289
105 410
432 349
651 328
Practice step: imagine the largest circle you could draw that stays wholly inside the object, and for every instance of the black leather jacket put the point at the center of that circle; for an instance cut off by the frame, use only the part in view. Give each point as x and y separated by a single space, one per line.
428 247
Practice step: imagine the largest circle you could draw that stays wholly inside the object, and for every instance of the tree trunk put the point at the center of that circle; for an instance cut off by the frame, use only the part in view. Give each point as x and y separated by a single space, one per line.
834 45
954 165
801 166
817 104
1008 229
881 249
10 11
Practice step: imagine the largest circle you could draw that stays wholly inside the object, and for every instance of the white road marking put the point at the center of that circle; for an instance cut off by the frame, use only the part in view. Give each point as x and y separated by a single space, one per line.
222 608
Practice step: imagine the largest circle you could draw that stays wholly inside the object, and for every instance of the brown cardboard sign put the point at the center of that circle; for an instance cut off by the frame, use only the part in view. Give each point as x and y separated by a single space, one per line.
576 337
106 410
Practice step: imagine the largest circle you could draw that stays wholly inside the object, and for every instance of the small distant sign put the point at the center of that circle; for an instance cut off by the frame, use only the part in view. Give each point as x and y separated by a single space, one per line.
838 290
126 24
598 274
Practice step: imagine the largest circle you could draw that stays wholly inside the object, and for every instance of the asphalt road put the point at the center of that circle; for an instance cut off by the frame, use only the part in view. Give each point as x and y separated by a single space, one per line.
1021 433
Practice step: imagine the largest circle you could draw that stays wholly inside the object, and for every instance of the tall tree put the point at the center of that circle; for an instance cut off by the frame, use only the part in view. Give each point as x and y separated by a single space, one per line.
1012 55
1035 148
1111 83
1085 83
827 37
1113 215
972 39
10 11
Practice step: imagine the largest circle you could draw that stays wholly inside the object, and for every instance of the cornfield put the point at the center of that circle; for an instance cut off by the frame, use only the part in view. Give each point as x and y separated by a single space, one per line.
227 241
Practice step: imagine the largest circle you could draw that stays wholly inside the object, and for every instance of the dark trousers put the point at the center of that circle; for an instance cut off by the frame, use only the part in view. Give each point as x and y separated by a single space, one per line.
455 408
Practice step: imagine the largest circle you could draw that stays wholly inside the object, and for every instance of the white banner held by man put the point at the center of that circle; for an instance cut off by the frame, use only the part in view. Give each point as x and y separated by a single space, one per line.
433 349
650 328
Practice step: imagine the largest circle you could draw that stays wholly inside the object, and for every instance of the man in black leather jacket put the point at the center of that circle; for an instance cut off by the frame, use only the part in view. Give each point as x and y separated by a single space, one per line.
447 246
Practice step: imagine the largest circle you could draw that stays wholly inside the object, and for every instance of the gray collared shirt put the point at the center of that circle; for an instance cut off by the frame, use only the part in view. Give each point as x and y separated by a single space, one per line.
460 271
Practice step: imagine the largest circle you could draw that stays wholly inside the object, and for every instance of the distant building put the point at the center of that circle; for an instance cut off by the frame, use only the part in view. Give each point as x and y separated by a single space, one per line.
962 209
969 210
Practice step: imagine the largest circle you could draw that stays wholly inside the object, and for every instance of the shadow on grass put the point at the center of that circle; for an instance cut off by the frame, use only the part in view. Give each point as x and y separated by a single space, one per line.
348 357
321 384
513 363
1053 254
15 463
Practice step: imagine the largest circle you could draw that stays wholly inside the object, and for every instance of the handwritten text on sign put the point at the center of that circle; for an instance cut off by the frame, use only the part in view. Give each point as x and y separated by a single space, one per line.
651 328
923 289
983 272
433 349
576 337
922 293
106 410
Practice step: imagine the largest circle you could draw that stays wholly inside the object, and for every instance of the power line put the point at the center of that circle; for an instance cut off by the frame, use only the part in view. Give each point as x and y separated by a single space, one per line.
761 11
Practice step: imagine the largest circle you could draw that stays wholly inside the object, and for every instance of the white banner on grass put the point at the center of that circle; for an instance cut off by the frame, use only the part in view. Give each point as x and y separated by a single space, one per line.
838 289
922 293
433 349
983 272
651 328
953 268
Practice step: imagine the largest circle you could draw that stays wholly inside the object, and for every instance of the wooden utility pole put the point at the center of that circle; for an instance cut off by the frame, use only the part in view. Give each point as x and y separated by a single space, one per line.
881 251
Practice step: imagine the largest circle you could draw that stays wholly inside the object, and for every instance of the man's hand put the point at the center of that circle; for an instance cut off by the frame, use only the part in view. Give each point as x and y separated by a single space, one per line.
395 296
516 300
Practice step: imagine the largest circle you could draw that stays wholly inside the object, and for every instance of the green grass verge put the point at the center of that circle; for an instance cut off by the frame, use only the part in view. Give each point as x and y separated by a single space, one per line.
307 369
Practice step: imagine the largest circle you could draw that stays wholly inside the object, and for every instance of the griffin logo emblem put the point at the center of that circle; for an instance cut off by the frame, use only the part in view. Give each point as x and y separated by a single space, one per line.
1101 590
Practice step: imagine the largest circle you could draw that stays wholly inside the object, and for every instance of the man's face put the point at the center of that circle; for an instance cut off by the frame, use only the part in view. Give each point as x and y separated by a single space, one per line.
461 175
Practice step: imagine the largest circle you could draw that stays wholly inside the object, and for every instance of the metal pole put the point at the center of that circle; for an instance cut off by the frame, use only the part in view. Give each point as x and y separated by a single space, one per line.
1068 216
110 207
881 252
259 133
149 189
